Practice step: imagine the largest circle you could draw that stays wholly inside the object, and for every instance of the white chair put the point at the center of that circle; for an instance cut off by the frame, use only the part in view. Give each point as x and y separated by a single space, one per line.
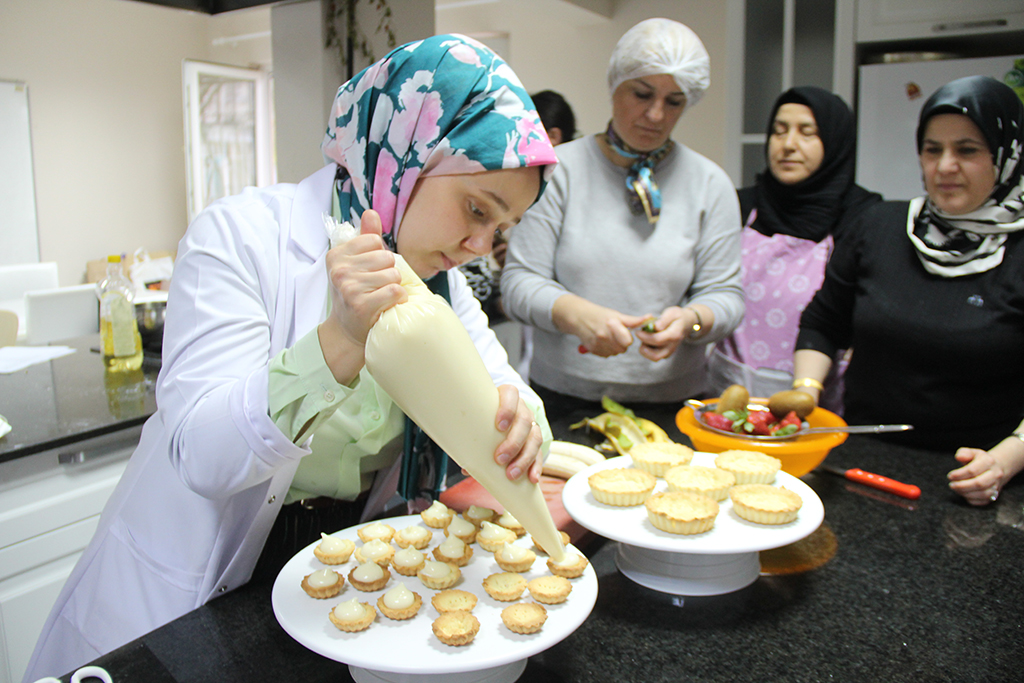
61 313
25 277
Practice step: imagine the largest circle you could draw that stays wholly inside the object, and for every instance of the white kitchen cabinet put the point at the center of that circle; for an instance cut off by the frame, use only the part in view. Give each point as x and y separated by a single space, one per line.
887 20
50 504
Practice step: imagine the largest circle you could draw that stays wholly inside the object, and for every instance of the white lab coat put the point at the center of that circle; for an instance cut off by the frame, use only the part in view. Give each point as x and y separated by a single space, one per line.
189 518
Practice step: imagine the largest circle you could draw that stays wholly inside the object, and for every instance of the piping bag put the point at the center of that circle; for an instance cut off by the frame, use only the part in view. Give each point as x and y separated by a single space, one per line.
422 356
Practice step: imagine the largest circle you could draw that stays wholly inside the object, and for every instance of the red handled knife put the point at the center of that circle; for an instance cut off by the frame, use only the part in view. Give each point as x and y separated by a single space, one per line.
875 481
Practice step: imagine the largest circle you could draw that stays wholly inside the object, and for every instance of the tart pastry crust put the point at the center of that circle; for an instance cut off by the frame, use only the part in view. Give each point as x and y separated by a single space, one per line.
682 513
764 504
505 587
453 600
571 571
550 590
522 565
706 481
749 467
456 628
524 617
657 458
440 583
621 486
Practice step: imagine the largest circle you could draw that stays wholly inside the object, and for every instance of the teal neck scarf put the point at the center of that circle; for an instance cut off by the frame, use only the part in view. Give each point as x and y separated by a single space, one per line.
641 189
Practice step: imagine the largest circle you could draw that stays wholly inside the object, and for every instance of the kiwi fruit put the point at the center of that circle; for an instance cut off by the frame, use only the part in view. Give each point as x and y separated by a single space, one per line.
735 397
784 402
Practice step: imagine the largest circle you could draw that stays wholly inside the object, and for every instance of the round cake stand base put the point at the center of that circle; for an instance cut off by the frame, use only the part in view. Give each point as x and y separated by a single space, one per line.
506 673
687 574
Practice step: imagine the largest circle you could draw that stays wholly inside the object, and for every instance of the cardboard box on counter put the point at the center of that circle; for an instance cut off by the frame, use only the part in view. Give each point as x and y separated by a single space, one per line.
97 270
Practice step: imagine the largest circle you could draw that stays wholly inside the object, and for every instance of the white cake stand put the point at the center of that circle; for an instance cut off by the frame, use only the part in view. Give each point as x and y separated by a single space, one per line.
407 651
720 561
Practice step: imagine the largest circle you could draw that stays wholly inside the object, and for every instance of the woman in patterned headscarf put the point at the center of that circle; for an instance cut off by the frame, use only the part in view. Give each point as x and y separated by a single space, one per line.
638 236
430 152
930 294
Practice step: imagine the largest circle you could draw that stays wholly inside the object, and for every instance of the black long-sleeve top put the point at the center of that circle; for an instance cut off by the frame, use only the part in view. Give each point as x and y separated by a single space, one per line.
943 354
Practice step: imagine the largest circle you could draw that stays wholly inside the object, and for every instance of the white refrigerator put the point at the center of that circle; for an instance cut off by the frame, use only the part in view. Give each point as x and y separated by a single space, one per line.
889 100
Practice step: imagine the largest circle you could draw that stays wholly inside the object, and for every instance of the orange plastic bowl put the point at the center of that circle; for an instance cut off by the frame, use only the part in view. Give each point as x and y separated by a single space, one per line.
799 455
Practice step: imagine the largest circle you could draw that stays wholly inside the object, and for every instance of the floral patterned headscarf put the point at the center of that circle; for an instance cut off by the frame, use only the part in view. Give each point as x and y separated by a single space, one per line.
446 105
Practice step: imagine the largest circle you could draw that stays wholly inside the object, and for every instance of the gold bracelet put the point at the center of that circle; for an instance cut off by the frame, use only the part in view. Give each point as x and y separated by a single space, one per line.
808 382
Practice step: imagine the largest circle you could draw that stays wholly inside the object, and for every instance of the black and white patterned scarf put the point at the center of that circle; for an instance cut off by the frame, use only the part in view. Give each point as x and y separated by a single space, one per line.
952 246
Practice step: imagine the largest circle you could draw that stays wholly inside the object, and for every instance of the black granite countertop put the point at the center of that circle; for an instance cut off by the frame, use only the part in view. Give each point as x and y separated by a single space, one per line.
71 399
929 590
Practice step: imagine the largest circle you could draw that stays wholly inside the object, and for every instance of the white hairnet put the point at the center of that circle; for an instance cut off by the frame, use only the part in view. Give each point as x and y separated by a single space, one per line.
662 46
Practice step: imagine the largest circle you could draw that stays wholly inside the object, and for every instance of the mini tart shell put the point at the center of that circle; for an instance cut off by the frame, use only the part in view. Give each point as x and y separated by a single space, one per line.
621 486
457 561
706 481
438 584
340 557
400 614
408 571
456 628
435 521
573 571
493 544
323 592
386 537
520 566
477 521
764 504
505 587
657 458
453 600
513 526
368 586
550 590
524 617
401 542
358 624
682 513
749 467
561 534
384 560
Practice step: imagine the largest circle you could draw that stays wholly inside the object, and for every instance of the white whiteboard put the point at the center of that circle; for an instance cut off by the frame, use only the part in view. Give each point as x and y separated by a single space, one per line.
19 242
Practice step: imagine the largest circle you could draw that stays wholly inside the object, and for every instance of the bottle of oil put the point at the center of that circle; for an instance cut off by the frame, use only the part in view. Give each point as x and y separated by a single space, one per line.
119 330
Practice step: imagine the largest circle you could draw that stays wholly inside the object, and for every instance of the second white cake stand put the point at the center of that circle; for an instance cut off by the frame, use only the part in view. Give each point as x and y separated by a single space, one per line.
722 560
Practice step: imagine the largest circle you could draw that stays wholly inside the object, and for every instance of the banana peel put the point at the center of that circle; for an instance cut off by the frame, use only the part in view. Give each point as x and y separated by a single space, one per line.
653 432
623 428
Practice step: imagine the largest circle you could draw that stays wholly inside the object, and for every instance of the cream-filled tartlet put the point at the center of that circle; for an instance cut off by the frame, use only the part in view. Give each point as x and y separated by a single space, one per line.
353 615
570 567
453 550
506 586
478 514
408 561
323 584
399 603
492 536
376 531
511 523
369 576
375 551
332 550
414 536
550 590
437 515
461 528
439 575
453 600
561 534
514 558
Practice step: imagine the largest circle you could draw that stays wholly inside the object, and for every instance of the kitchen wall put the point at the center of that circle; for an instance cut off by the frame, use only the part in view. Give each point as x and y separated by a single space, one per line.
104 80
558 46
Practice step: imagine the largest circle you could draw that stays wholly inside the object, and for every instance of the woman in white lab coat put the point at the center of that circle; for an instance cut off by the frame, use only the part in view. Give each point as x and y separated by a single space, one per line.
263 344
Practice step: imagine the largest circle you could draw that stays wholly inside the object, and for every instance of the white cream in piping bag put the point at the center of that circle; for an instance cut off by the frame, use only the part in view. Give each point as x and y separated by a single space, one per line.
422 356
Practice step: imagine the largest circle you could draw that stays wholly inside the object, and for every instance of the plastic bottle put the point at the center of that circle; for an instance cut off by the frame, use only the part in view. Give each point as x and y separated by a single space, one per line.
119 330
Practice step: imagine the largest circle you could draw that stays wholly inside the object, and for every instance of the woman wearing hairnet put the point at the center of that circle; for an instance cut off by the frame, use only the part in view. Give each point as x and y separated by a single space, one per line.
629 265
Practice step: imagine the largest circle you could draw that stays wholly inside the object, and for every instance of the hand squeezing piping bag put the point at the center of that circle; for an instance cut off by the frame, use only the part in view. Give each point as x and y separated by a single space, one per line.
422 356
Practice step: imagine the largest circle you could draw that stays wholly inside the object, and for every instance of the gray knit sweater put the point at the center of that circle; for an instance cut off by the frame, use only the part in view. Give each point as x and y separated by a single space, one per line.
581 238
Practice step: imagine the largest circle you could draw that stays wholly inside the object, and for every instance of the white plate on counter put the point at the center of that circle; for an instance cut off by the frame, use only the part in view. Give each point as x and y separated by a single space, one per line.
409 648
718 561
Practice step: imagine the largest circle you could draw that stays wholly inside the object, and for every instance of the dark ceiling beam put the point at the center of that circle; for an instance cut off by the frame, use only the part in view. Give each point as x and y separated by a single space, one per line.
210 6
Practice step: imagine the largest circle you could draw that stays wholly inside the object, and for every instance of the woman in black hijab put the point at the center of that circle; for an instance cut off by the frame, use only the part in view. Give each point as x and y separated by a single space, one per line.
930 294
792 215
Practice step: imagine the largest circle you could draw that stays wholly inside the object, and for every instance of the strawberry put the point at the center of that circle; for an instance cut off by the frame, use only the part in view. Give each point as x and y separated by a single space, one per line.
761 423
718 421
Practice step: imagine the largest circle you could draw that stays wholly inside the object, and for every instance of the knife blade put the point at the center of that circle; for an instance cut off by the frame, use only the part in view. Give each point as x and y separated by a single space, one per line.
875 481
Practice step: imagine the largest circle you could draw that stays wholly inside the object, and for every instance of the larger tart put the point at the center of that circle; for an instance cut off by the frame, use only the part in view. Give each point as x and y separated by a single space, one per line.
764 504
707 481
749 467
682 513
621 486
658 457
